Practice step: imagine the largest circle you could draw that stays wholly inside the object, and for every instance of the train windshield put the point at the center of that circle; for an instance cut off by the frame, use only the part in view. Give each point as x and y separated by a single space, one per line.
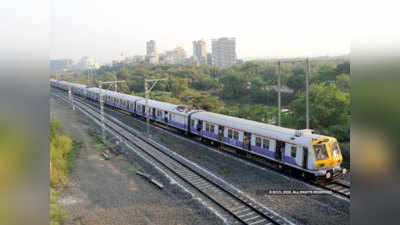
335 150
320 151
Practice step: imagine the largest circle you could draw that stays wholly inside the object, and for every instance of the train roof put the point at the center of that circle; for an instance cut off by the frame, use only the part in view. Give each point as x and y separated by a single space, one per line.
264 129
179 109
123 96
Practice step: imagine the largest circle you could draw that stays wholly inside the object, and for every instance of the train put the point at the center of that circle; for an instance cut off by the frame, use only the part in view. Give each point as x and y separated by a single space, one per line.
300 151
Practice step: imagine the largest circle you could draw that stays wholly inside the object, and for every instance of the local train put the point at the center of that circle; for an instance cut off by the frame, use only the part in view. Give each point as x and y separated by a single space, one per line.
296 150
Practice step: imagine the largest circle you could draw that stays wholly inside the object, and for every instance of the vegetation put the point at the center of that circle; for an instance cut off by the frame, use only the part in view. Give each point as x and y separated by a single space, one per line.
248 90
62 156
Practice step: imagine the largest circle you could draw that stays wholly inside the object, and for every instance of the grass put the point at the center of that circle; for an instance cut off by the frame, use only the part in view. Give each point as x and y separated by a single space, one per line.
99 147
57 213
224 171
62 156
166 141
135 168
136 126
120 157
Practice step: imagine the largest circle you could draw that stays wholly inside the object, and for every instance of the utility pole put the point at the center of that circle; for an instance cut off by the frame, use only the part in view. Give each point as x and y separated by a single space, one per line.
279 93
307 94
102 111
101 100
71 99
146 93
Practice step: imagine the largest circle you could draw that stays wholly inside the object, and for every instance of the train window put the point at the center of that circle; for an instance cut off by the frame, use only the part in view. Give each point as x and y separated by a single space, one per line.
236 135
207 127
158 113
230 133
265 143
320 151
192 123
335 149
293 151
258 141
212 128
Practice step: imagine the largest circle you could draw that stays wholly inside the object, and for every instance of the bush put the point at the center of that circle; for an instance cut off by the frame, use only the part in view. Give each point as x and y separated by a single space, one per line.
57 213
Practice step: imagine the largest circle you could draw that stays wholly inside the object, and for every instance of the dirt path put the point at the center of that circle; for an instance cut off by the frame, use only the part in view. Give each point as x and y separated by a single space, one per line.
109 192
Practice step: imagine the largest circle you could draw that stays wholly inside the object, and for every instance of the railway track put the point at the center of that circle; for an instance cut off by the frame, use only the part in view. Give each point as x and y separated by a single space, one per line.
339 187
238 205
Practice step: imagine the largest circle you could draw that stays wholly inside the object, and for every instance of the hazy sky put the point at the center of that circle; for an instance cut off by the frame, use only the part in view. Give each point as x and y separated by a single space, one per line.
103 29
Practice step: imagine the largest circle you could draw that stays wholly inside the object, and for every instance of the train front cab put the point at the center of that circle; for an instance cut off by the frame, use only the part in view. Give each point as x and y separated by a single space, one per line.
328 158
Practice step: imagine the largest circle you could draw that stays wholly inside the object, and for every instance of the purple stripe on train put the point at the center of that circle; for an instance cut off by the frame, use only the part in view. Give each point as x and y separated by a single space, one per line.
176 124
290 160
262 151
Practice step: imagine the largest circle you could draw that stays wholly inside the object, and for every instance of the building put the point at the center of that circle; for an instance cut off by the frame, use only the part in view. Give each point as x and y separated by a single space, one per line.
151 49
87 63
175 57
60 64
151 53
199 52
209 59
223 51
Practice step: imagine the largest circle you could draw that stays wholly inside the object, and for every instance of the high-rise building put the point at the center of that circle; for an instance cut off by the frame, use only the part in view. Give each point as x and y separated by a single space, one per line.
151 48
151 53
200 52
223 51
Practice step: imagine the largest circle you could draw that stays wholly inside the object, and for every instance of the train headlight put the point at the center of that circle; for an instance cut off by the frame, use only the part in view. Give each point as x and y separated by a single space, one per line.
328 175
344 171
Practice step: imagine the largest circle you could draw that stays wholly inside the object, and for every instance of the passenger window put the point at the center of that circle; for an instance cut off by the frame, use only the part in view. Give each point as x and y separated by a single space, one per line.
212 128
192 123
236 135
207 127
230 133
293 151
258 141
266 143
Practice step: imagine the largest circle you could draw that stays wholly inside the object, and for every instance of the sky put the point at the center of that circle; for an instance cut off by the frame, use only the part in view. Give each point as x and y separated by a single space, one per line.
104 29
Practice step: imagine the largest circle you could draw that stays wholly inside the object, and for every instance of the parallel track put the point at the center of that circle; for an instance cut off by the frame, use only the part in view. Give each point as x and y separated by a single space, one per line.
338 187
241 207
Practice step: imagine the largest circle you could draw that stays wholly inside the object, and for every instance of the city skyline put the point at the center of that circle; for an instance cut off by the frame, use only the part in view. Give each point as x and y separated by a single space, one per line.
105 29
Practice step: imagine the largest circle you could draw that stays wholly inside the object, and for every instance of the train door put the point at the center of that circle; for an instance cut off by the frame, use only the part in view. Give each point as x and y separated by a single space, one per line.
221 133
246 140
153 112
143 110
199 126
279 150
305 157
166 116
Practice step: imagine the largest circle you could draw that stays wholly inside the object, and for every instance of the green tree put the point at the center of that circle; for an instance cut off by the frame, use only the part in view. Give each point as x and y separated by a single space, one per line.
343 81
234 86
343 68
178 86
328 106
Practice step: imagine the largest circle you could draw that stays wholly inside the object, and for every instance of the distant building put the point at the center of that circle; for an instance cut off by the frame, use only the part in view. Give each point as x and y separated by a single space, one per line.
151 53
223 51
151 49
199 52
209 59
175 57
87 63
60 64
